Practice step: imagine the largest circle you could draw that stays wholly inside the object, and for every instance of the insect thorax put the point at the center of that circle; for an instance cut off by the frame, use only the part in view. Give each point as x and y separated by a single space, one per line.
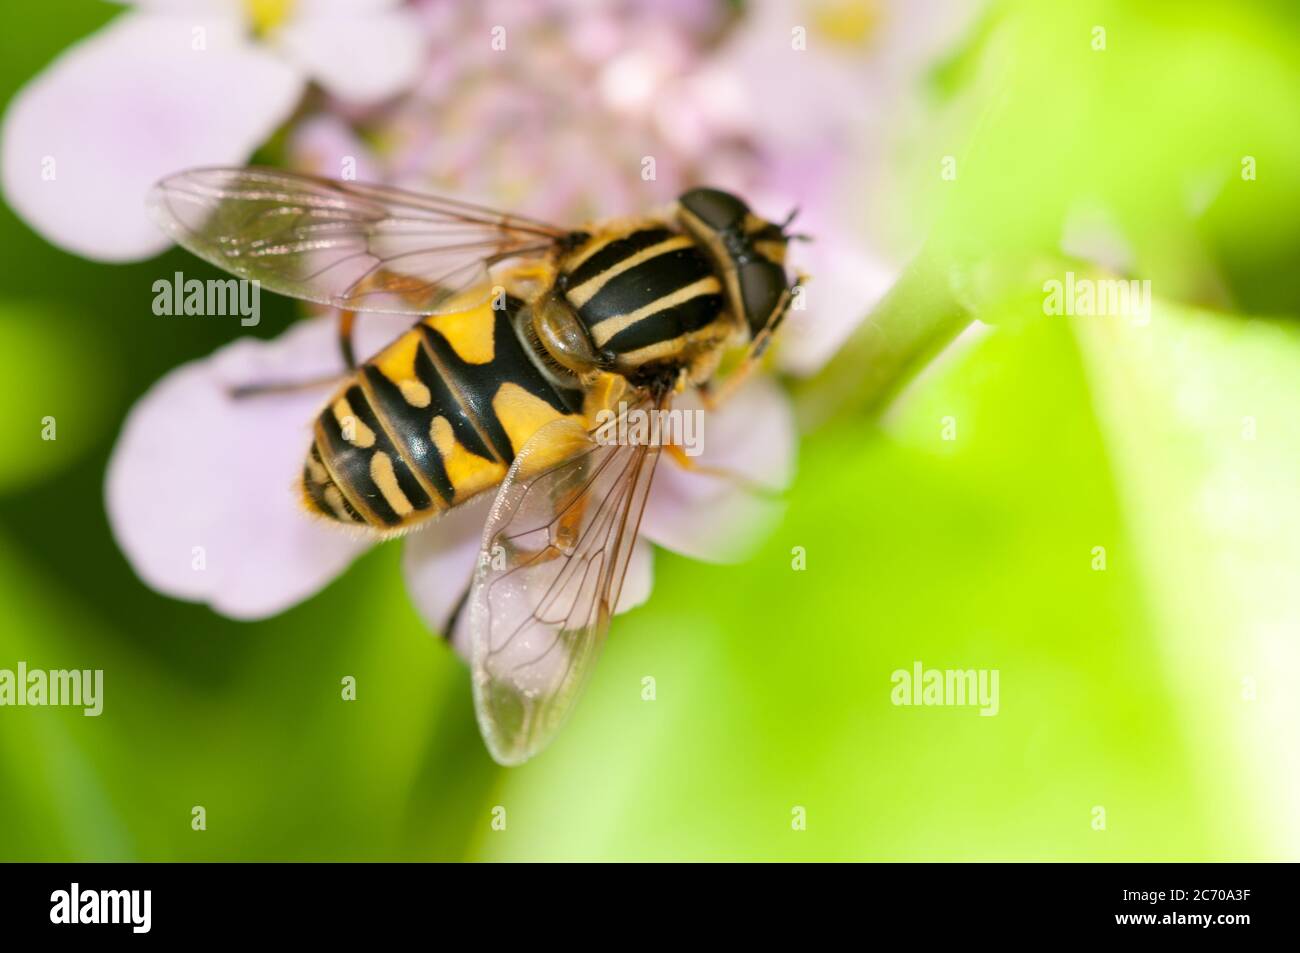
647 295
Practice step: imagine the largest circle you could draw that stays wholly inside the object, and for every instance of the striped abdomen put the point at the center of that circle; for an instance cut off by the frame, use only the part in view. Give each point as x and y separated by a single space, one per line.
641 293
430 421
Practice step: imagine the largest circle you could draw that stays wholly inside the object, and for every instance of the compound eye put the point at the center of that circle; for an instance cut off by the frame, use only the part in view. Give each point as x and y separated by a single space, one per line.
761 285
717 209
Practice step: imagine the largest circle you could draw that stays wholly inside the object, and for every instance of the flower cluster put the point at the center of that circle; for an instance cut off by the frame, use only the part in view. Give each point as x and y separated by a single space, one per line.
560 109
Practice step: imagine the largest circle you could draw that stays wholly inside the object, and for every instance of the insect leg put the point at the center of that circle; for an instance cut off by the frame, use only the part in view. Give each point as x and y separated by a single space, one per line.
449 630
567 525
347 323
564 529
679 457
715 398
245 391
346 327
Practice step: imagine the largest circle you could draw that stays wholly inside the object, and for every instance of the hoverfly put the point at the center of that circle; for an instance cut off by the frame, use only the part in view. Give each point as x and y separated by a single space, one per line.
527 333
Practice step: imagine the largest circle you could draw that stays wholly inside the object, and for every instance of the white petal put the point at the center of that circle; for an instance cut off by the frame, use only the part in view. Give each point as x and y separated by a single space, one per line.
326 145
201 486
845 282
716 519
85 139
640 578
357 58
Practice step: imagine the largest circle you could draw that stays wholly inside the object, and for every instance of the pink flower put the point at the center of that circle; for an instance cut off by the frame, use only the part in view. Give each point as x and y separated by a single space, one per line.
567 111
201 496
831 88
180 83
553 111
559 110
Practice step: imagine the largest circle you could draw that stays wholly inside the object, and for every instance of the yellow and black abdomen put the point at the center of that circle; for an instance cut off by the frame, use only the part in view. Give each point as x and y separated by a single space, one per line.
430 421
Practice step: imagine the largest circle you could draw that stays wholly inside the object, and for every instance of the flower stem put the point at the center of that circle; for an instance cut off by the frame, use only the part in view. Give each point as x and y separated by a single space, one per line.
907 329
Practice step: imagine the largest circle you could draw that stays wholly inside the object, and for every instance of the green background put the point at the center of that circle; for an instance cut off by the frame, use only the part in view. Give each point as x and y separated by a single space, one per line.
1160 689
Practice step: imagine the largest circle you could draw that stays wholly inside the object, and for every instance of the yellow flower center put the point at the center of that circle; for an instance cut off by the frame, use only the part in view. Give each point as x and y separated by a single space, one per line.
845 22
266 15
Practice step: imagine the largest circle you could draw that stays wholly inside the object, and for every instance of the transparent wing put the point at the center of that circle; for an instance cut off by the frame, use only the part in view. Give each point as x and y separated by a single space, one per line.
555 550
346 244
